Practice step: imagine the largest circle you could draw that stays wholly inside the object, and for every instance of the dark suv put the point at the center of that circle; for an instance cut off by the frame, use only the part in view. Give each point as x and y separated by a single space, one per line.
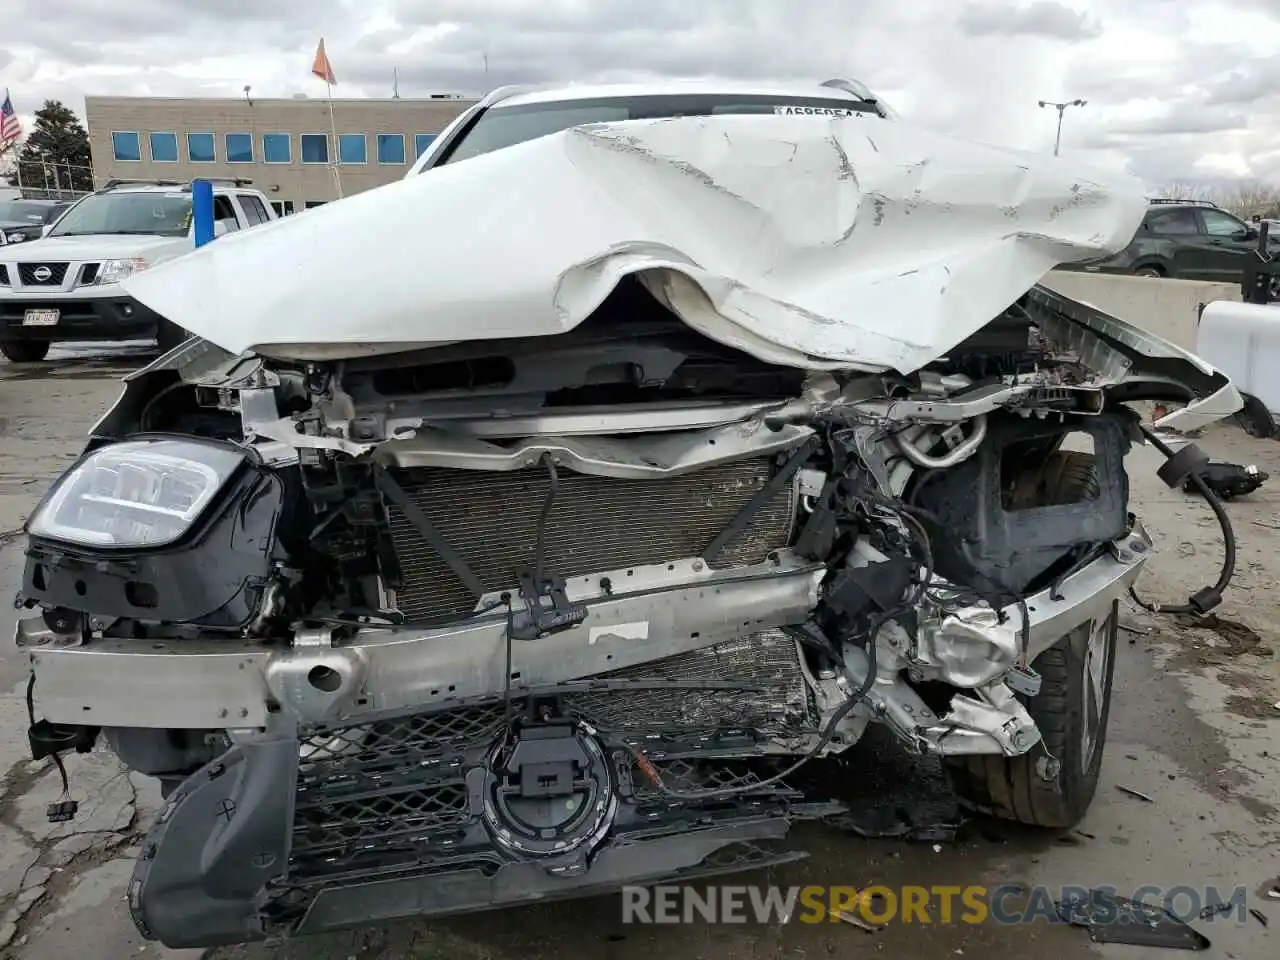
1186 239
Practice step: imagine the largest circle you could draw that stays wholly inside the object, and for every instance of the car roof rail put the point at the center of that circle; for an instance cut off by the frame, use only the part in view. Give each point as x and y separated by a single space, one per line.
1194 203
115 182
234 181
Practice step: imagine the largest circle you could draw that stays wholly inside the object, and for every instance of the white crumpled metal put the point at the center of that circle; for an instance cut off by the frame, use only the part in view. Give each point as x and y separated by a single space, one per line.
807 241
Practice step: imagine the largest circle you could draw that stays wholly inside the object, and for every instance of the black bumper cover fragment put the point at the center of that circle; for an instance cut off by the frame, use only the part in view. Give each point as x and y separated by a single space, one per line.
216 868
221 839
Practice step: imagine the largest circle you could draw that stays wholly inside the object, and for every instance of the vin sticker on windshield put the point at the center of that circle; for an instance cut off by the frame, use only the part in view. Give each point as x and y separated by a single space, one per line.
815 112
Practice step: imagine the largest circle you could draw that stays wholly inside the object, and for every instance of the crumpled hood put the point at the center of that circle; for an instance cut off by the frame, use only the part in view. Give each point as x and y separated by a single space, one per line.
808 241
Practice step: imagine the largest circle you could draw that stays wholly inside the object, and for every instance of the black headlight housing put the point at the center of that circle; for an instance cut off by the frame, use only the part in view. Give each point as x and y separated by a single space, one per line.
129 532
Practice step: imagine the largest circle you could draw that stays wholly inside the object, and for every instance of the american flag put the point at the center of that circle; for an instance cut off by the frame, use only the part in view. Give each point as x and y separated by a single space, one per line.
10 125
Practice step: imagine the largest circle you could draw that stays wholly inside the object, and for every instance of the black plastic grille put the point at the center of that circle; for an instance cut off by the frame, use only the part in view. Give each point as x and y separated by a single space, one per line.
379 817
767 661
697 775
370 785
353 751
27 274
598 523
4 275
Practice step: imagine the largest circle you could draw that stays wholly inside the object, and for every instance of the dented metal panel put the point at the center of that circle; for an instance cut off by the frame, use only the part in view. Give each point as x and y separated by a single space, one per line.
807 241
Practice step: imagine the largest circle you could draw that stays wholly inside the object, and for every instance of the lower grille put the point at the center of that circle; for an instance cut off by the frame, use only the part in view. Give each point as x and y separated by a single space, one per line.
42 274
392 793
372 785
597 523
768 660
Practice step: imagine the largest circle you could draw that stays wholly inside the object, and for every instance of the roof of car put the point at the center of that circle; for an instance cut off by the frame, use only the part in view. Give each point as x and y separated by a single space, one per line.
518 96
171 186
1161 203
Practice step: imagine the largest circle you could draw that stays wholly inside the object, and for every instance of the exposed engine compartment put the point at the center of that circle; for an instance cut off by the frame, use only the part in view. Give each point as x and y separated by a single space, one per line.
513 609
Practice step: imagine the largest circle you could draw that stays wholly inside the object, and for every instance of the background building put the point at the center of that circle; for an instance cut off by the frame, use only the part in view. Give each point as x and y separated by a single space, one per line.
286 147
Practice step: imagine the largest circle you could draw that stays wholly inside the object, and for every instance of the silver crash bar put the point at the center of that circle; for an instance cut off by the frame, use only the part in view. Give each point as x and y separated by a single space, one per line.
669 609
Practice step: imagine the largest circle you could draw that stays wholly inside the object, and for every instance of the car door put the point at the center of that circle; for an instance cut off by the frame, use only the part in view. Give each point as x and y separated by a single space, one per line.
252 209
1226 245
1173 235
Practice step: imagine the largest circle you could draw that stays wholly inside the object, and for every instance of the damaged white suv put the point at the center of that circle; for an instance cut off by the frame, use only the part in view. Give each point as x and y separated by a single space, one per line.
517 530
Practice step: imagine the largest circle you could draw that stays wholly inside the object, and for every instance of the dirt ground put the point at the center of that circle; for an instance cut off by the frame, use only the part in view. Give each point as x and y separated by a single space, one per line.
1195 727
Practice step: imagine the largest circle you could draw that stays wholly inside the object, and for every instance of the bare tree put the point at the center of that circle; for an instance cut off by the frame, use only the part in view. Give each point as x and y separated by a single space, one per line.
1185 190
1245 198
1249 198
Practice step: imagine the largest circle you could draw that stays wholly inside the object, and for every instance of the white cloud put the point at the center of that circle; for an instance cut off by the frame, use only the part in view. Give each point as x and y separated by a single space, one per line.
1173 88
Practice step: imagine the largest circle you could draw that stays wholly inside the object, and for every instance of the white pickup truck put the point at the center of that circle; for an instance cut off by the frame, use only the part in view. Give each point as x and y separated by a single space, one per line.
66 286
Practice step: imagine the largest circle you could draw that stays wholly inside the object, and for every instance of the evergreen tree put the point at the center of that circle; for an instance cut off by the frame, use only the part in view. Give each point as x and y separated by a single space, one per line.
56 151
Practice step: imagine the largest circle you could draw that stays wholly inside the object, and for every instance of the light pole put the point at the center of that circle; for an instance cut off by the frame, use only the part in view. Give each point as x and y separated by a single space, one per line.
1061 107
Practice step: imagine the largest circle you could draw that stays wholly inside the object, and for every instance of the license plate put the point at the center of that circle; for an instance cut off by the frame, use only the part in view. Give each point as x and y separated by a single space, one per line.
40 318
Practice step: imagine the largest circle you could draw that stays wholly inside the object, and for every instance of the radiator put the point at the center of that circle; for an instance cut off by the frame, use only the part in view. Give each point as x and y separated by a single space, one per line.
597 523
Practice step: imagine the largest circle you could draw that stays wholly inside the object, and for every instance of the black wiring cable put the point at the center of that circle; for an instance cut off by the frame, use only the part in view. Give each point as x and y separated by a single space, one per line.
553 489
55 756
1206 599
927 549
539 556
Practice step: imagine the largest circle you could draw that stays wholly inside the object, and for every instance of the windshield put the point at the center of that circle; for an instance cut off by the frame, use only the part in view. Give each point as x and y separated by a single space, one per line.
141 212
502 126
23 211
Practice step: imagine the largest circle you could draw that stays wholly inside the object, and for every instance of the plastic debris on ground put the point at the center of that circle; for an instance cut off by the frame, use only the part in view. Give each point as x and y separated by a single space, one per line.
1114 919
1228 480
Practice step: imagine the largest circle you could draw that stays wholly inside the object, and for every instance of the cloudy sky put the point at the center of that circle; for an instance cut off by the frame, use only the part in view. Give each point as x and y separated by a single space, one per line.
1176 90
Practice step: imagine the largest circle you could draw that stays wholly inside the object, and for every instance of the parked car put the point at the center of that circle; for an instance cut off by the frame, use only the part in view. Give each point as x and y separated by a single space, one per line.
66 286
518 530
1185 240
22 220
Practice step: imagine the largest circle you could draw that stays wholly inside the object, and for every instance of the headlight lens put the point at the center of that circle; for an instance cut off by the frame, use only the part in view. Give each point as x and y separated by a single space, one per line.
140 493
113 271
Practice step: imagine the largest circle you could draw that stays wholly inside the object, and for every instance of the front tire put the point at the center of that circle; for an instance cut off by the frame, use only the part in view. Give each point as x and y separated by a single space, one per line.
1053 784
24 351
1071 711
1148 272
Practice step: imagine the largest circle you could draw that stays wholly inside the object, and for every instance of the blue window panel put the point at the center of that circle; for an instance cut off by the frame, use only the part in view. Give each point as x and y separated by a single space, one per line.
164 147
391 148
420 143
200 148
352 148
126 146
239 147
314 147
277 147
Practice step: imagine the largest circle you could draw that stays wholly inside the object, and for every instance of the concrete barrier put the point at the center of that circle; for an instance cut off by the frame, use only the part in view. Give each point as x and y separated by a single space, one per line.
1167 308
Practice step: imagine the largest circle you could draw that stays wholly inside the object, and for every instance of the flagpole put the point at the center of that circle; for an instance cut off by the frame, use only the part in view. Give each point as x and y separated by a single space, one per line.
333 128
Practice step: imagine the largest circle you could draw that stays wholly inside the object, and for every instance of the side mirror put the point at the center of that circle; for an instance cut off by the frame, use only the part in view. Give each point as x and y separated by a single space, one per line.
220 228
44 231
